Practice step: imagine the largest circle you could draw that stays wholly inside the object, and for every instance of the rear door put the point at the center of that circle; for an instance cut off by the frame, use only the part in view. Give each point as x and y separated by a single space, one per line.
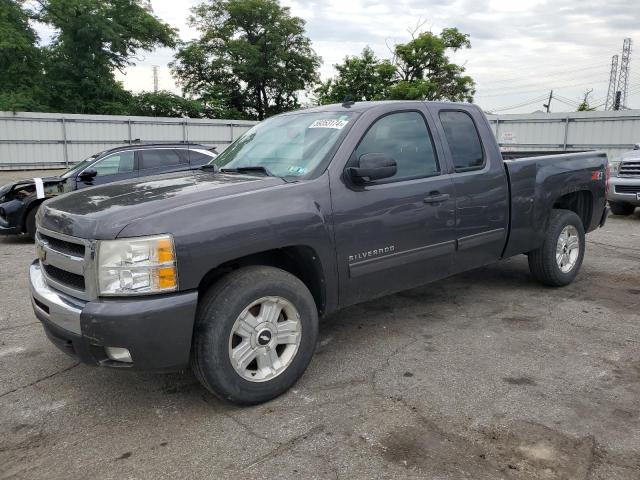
161 160
112 168
481 186
395 233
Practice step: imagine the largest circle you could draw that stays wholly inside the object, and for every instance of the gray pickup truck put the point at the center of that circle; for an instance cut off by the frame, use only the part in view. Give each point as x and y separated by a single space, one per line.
624 191
228 268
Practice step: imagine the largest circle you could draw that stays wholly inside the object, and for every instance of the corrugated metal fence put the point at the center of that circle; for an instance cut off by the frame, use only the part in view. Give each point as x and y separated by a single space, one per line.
613 132
47 140
41 140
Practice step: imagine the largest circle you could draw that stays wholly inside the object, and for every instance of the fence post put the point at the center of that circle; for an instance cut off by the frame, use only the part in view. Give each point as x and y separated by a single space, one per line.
185 132
566 133
64 142
231 132
129 129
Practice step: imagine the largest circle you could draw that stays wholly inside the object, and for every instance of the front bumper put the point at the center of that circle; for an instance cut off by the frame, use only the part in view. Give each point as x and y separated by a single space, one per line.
631 186
156 330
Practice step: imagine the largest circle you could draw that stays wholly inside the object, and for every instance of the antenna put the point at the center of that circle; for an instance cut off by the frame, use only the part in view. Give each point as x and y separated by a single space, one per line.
155 78
611 92
623 78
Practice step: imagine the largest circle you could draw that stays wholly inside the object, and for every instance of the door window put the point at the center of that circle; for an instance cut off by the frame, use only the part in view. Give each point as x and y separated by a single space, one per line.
404 137
164 157
117 163
463 139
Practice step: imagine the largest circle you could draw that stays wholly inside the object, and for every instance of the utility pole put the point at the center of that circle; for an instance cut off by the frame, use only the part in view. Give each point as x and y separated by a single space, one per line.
548 104
155 78
616 103
623 78
611 91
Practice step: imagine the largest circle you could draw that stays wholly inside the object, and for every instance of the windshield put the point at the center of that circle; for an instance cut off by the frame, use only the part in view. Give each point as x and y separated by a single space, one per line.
79 166
286 145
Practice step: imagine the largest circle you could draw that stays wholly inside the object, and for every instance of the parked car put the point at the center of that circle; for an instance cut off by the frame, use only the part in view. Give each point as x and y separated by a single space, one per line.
19 201
624 191
229 268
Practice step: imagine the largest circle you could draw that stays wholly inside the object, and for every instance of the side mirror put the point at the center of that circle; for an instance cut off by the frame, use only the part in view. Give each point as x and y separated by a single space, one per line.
372 166
88 174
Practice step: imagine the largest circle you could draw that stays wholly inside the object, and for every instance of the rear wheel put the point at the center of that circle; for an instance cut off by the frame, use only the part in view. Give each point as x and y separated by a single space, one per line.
30 223
255 334
621 208
558 260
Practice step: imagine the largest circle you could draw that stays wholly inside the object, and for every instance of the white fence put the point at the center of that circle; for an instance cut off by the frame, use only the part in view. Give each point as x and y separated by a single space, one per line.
613 132
47 140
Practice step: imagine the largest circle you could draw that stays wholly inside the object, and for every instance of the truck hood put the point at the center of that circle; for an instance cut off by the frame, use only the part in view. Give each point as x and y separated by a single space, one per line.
102 212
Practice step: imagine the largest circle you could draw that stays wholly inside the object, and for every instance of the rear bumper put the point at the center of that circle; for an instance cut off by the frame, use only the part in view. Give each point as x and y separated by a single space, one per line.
156 330
630 185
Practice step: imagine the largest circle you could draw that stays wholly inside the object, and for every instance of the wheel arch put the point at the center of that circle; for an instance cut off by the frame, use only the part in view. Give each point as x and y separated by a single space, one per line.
301 261
581 203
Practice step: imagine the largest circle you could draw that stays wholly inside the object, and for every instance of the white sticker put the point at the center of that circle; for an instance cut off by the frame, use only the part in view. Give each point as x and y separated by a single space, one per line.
39 187
329 123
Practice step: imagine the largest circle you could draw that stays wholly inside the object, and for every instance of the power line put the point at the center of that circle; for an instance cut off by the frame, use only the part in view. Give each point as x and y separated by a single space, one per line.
528 102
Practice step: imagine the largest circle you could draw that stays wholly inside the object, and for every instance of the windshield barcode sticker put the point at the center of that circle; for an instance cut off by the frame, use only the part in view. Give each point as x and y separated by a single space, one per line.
337 124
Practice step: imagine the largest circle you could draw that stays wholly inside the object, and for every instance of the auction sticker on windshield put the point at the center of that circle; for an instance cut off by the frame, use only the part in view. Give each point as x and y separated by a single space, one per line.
329 123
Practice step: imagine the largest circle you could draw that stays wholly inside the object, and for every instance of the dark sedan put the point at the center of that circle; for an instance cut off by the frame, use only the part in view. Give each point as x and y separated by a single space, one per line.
19 201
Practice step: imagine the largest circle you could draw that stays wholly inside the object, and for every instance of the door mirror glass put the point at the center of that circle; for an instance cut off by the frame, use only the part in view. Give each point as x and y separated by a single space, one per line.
373 166
88 174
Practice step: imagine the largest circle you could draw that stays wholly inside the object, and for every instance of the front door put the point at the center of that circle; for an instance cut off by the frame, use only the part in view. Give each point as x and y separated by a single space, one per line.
112 168
395 233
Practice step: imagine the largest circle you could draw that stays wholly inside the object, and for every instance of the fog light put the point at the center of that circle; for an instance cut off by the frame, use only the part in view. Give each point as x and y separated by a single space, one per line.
118 354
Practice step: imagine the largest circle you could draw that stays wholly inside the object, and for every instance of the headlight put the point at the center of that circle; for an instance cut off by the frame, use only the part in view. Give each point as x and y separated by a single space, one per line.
137 266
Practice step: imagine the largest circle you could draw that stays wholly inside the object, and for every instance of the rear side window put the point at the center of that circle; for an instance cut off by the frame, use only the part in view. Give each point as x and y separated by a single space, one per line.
463 139
165 157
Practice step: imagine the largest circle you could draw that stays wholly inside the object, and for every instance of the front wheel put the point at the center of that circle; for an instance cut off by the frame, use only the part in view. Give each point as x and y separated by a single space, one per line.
621 208
558 260
30 223
255 334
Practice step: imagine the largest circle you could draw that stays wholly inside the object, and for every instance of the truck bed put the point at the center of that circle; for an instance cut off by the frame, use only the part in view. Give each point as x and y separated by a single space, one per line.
540 183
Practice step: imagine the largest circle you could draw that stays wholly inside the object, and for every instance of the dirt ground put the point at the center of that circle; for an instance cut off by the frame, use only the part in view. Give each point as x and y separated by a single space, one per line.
486 375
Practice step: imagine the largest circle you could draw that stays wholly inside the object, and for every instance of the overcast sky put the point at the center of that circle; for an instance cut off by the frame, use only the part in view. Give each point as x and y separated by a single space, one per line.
520 48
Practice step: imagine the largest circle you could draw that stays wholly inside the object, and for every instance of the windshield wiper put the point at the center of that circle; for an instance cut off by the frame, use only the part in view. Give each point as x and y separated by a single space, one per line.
251 169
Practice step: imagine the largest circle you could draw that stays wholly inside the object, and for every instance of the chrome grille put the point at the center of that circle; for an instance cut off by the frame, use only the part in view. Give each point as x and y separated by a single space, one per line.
629 169
67 263
628 189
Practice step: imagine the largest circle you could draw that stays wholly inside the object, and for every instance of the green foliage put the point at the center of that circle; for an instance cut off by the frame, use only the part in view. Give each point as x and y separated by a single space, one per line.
420 70
360 78
20 59
166 104
585 107
251 59
94 38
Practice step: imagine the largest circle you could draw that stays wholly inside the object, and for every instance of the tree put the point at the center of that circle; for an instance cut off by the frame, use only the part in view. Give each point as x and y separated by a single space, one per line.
360 78
251 59
419 70
584 105
165 104
20 59
94 38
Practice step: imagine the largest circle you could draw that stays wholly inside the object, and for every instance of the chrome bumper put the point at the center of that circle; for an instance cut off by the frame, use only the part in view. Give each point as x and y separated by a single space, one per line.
616 196
58 308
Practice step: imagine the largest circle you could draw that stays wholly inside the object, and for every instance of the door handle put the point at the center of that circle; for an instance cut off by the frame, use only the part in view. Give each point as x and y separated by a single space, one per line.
436 198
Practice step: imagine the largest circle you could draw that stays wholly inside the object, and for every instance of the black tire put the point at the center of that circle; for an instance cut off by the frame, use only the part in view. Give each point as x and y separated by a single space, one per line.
542 262
621 208
30 223
217 312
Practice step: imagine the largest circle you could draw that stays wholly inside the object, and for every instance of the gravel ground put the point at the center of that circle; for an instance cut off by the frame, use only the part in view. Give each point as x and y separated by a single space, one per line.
485 375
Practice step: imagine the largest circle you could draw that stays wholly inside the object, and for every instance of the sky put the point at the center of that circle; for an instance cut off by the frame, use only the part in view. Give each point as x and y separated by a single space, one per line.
521 49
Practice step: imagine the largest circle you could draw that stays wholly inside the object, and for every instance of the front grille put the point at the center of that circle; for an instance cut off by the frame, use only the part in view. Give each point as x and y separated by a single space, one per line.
62 246
68 279
633 189
629 169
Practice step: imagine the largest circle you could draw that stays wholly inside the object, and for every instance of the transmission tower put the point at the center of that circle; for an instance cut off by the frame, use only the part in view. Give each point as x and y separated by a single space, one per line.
623 77
155 78
611 92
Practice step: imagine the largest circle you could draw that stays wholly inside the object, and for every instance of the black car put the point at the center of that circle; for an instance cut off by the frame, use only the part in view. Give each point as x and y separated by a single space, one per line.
19 200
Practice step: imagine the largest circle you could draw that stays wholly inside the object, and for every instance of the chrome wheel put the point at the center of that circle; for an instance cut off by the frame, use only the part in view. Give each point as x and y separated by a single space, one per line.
568 249
265 338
